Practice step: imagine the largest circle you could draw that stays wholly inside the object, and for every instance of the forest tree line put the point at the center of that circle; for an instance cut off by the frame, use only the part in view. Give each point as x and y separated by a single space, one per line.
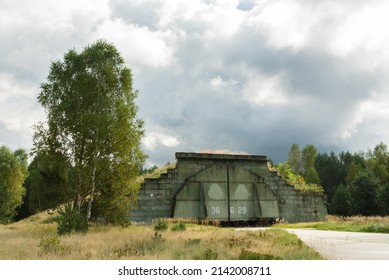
354 183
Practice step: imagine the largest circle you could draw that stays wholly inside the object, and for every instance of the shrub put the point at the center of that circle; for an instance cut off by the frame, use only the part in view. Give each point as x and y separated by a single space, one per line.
70 219
179 227
161 225
50 244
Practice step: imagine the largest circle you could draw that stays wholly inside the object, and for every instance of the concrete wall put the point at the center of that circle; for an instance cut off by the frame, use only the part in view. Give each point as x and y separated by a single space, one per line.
157 196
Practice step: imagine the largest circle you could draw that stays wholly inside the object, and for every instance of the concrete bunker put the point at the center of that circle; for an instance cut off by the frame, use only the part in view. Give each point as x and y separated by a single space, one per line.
225 187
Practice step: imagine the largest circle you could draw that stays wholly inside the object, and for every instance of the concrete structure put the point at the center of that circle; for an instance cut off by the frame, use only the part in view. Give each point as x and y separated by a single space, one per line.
207 185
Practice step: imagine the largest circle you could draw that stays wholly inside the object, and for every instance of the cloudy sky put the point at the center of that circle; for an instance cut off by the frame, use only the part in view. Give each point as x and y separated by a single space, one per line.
250 76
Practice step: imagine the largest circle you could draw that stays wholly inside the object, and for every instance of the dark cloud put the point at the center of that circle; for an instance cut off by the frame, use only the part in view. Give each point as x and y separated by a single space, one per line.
218 75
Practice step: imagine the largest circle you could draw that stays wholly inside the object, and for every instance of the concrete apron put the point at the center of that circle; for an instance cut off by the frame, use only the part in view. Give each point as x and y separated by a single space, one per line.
335 245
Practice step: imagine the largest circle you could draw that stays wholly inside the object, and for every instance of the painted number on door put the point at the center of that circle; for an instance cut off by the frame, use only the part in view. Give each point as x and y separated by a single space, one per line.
241 210
215 210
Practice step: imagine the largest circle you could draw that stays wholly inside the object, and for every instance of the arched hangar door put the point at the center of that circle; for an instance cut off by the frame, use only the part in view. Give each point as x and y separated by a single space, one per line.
226 193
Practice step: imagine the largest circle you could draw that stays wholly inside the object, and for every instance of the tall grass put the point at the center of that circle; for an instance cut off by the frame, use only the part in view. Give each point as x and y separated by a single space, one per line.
36 238
355 223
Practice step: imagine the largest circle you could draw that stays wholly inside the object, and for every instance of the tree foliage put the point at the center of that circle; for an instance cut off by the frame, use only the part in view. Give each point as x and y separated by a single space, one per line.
331 172
308 157
92 123
297 180
13 172
341 201
294 158
70 219
356 183
48 183
363 192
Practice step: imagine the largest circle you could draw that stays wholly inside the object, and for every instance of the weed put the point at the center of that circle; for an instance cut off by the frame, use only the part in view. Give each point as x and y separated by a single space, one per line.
376 228
70 219
249 255
142 247
238 241
161 225
179 227
208 254
340 223
50 244
193 242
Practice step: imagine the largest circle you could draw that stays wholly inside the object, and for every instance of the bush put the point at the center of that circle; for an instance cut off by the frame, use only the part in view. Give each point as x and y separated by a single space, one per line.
50 244
70 219
179 227
161 225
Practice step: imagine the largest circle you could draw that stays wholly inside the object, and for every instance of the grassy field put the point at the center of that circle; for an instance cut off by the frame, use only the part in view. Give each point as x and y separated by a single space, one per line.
356 224
36 238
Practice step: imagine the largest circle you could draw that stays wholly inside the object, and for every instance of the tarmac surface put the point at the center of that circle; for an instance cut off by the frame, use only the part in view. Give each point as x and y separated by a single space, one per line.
336 245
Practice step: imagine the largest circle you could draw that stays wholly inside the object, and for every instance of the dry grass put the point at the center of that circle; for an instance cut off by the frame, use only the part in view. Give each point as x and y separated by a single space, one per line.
35 238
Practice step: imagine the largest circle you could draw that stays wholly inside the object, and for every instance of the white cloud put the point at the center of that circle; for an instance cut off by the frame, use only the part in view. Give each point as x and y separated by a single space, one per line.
139 45
371 117
286 23
218 82
152 140
365 28
18 110
265 90
356 30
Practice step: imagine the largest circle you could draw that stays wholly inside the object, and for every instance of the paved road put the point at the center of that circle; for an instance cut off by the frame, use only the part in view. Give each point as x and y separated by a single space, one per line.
337 245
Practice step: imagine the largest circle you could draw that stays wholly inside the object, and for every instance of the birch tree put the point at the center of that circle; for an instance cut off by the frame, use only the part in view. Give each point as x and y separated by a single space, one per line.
92 122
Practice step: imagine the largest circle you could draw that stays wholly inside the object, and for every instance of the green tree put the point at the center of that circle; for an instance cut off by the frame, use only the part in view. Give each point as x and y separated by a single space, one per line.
341 201
311 176
331 172
92 122
377 162
364 191
353 170
294 159
48 183
13 172
309 154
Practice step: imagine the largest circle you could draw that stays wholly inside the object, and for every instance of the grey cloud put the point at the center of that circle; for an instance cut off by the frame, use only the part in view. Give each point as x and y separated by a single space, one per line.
323 91
141 13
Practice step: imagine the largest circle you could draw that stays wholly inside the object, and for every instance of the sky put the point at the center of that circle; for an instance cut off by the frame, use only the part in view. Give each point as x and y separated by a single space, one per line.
249 76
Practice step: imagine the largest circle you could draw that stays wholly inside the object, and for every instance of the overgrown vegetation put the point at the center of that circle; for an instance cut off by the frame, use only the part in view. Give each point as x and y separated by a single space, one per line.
297 180
70 220
155 172
36 238
355 184
375 224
